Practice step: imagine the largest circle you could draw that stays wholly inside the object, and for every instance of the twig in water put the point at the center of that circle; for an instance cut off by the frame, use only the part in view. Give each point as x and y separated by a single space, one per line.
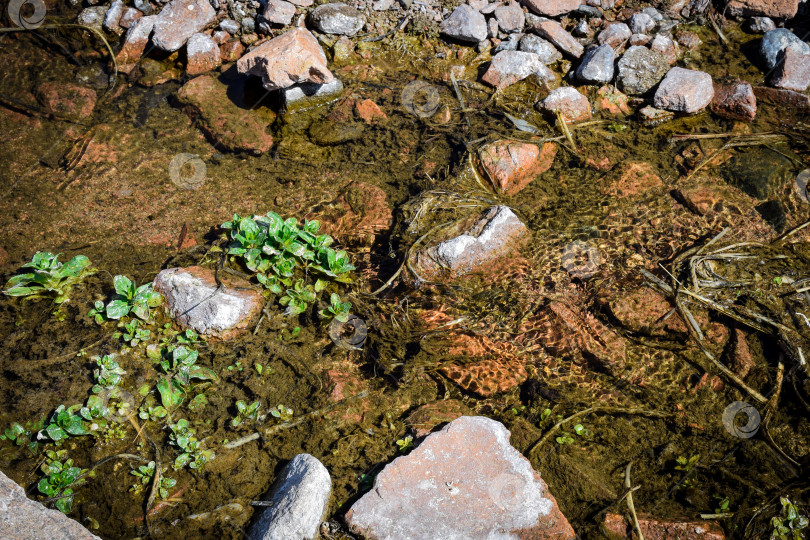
630 504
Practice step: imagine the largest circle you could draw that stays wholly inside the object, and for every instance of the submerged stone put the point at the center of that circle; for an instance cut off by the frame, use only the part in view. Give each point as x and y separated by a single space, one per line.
465 482
300 499
195 301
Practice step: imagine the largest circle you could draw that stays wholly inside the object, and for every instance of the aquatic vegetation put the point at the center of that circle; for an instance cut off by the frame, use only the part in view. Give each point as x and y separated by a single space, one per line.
245 412
180 369
64 423
22 436
49 277
789 524
144 474
337 310
108 374
133 334
130 299
277 250
191 452
281 412
60 479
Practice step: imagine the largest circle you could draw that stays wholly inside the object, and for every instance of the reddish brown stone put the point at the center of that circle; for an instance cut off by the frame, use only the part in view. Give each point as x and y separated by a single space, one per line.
618 528
202 55
427 417
780 97
793 72
128 17
556 34
368 111
231 51
134 44
465 481
206 99
291 58
782 9
735 101
640 309
551 8
485 378
572 105
688 40
67 100
512 165
612 100
742 361
632 179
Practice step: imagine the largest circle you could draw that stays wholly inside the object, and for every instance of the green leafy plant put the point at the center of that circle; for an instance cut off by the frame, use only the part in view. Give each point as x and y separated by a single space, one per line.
281 412
337 310
138 301
64 423
278 250
94 411
245 412
723 504
191 452
60 479
144 474
21 436
180 368
152 412
108 374
132 333
687 465
49 277
789 524
405 444
564 438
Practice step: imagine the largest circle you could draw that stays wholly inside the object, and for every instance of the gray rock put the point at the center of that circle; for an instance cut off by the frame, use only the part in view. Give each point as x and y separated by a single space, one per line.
299 501
588 11
641 23
614 34
793 69
194 299
178 20
582 29
337 18
509 67
774 42
654 13
279 12
556 34
24 519
465 482
597 65
552 8
640 69
489 9
492 27
684 90
248 25
92 17
143 6
112 17
465 24
510 18
566 100
760 25
509 44
547 52
382 5
230 26
129 17
307 95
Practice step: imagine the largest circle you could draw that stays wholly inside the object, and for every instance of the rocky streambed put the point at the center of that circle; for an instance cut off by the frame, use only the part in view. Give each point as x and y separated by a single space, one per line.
405 269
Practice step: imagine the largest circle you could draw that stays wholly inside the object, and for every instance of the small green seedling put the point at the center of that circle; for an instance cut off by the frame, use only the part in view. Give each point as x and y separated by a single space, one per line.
138 301
183 437
60 479
580 430
144 474
687 465
49 277
790 524
64 423
723 504
405 444
108 374
564 438
152 413
283 413
246 412
21 436
133 334
338 310
180 367
298 298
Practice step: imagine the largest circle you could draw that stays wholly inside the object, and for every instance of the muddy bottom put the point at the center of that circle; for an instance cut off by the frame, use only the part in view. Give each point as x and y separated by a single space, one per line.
538 331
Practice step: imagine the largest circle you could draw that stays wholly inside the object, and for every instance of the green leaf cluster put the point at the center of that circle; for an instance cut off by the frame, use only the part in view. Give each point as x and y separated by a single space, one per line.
129 299
145 473
49 277
281 412
21 436
133 334
280 250
180 367
107 374
245 412
790 524
191 452
64 423
60 479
